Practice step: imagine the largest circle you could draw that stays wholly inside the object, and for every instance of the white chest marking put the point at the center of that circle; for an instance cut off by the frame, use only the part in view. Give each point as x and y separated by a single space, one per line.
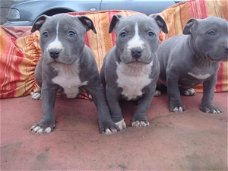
199 76
68 78
56 44
132 78
136 41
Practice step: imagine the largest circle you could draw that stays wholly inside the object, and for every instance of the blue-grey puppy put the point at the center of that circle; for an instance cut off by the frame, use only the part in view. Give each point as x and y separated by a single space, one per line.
67 66
193 58
131 68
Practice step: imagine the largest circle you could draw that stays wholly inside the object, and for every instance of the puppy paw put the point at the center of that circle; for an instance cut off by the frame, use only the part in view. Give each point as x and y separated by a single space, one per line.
189 92
108 127
175 106
121 124
157 93
140 124
177 109
109 131
210 109
42 128
36 95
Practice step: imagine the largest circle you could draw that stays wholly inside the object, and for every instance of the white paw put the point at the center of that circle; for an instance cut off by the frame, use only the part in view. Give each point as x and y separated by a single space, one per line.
121 124
190 92
40 130
110 131
157 93
36 95
140 123
215 111
178 109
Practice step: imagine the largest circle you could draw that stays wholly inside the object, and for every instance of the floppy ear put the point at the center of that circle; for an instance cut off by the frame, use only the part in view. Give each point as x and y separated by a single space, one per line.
160 22
115 20
189 26
38 23
88 23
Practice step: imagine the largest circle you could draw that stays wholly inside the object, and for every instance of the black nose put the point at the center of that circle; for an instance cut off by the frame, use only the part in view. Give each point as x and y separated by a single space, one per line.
136 53
54 53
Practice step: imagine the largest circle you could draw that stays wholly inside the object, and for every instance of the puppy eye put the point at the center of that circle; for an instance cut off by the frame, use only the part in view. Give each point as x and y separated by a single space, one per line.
45 34
71 33
123 34
151 34
211 32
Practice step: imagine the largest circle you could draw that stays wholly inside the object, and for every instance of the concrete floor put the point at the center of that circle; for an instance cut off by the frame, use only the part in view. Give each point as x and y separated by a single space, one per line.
174 141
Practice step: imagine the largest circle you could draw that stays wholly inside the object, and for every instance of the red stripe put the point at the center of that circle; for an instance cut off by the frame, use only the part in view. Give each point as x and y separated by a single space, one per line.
198 8
87 39
203 9
192 8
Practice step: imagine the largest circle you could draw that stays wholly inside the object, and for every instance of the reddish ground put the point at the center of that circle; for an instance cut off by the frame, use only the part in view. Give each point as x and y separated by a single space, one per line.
174 141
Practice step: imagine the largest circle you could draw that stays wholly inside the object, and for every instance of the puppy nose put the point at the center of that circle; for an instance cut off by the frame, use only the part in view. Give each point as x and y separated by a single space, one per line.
54 53
136 53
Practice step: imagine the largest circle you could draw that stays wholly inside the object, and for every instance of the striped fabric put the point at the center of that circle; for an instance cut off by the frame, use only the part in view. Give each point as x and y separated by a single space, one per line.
16 65
20 49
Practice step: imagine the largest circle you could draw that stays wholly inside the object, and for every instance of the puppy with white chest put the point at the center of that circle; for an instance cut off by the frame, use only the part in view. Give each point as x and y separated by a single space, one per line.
193 58
131 68
67 66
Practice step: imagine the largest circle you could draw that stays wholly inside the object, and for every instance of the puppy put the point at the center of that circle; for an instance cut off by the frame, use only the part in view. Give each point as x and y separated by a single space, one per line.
193 58
131 68
67 66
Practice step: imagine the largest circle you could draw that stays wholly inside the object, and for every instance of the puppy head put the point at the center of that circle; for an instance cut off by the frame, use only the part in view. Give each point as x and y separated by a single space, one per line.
137 37
62 36
209 37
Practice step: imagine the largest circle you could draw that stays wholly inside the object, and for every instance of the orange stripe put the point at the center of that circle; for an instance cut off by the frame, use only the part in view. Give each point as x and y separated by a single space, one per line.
111 14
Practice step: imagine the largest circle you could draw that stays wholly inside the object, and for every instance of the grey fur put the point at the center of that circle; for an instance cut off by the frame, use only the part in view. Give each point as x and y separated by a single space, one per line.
193 58
67 66
131 68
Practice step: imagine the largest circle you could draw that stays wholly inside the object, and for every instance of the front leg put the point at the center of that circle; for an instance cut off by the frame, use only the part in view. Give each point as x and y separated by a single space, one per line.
208 94
175 104
106 124
47 123
113 102
140 117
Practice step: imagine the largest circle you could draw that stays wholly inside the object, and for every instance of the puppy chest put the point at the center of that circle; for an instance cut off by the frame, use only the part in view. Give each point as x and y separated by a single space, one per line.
201 73
132 80
195 76
68 78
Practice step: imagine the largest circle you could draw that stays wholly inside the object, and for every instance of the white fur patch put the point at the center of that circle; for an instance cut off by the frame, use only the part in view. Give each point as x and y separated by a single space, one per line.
140 123
157 93
136 41
121 124
68 78
190 92
178 109
132 78
36 95
199 76
56 44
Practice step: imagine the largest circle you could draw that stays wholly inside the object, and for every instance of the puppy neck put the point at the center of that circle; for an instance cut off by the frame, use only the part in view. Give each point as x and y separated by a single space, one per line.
199 58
